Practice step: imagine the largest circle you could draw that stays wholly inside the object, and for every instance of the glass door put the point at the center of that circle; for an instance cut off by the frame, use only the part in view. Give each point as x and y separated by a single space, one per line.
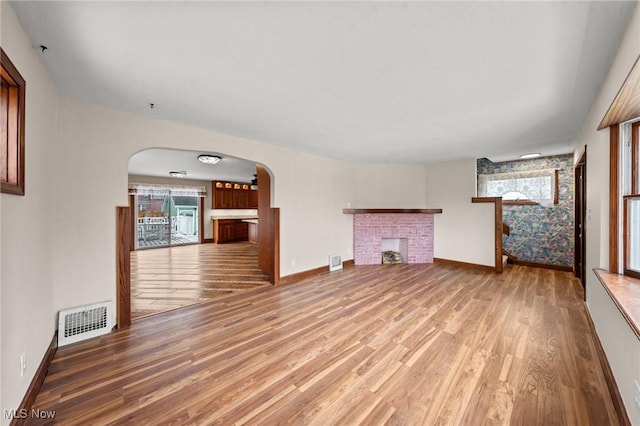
166 215
184 219
153 220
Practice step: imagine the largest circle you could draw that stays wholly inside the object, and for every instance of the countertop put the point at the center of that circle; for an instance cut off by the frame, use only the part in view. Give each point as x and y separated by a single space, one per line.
235 217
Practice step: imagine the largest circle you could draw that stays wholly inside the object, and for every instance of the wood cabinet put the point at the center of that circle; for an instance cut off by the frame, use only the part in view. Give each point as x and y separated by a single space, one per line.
253 199
230 230
253 232
233 195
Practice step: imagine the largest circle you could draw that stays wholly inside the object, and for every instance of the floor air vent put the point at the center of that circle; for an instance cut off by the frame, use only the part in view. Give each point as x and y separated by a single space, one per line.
83 322
335 262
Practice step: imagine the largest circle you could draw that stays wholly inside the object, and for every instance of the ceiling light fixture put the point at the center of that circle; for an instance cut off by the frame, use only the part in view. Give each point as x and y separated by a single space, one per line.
179 174
209 159
530 155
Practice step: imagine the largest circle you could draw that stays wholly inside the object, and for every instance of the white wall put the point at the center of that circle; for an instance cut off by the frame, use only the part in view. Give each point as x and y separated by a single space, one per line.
26 225
389 186
464 231
620 344
311 192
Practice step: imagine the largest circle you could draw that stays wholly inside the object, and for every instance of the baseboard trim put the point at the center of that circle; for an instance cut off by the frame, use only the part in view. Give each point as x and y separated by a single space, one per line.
288 279
207 240
543 265
37 381
468 265
618 403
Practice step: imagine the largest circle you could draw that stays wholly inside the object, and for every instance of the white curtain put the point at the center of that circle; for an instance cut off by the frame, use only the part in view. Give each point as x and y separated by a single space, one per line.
538 186
158 189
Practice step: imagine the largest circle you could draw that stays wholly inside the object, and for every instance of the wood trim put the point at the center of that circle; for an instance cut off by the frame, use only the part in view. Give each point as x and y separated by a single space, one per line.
485 199
265 257
37 381
624 291
485 268
275 245
123 269
556 187
375 211
510 256
519 203
626 104
207 241
505 229
201 211
614 191
14 159
543 265
298 276
609 378
497 201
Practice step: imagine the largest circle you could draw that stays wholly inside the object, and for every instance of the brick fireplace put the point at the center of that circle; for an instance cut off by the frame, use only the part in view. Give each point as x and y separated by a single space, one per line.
371 226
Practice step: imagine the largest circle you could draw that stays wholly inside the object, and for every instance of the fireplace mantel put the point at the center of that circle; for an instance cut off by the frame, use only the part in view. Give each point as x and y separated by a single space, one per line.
376 211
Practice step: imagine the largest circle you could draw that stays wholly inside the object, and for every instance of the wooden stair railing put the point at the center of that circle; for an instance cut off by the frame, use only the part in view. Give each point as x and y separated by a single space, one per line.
510 257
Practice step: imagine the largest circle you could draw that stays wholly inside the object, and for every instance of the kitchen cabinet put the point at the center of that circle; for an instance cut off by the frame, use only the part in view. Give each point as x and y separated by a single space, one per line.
233 195
230 230
253 199
253 232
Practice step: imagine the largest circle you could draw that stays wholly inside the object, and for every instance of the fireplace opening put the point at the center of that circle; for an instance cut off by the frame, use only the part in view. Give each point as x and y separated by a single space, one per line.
395 250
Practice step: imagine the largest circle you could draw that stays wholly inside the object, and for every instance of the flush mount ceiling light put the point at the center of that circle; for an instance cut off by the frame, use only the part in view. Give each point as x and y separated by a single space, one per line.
530 155
209 159
180 174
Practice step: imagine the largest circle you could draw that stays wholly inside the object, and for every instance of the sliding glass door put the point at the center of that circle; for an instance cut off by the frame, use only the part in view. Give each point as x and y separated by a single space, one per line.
166 217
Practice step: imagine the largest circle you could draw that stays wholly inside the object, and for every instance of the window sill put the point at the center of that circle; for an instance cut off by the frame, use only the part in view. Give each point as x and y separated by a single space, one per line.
625 293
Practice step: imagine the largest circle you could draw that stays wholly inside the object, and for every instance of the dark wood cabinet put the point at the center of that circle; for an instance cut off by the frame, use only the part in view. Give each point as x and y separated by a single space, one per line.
231 195
223 199
253 233
230 230
242 231
253 199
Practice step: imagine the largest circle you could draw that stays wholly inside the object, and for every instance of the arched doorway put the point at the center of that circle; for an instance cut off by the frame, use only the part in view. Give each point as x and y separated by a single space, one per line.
268 242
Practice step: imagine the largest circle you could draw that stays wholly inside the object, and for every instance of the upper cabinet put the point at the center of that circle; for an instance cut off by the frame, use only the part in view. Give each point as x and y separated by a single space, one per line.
233 195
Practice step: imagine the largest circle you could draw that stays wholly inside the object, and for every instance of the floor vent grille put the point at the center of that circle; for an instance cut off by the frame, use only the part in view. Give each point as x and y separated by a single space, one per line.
84 322
335 262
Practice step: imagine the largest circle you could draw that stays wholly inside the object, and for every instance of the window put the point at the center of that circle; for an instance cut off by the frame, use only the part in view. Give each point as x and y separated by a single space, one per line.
12 94
630 192
529 187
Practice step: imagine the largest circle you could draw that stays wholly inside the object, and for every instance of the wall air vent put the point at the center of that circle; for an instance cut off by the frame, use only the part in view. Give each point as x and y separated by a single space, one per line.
84 322
335 262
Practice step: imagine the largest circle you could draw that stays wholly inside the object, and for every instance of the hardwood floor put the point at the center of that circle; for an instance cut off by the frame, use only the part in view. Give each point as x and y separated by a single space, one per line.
388 344
167 278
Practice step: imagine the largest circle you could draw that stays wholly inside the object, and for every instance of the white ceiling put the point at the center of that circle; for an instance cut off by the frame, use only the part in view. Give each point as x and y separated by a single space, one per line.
411 82
159 162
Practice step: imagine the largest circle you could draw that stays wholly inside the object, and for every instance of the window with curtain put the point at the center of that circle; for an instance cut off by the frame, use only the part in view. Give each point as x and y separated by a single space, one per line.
526 187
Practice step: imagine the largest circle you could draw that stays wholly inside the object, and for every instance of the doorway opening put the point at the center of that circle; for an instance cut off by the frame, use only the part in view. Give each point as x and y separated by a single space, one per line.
187 267
580 245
